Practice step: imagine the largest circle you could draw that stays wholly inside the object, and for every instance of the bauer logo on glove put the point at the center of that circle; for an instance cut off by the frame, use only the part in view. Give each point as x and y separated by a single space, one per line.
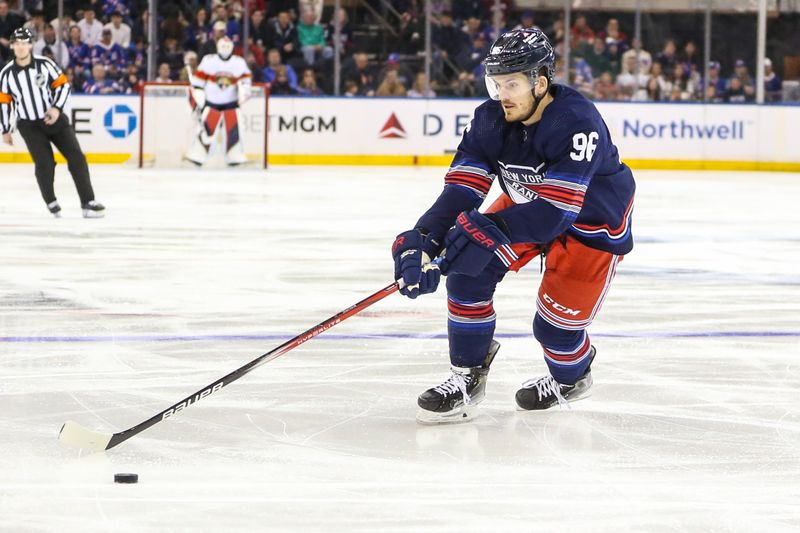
470 244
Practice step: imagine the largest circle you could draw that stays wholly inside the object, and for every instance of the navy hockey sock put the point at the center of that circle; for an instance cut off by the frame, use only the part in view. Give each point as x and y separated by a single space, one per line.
470 328
566 352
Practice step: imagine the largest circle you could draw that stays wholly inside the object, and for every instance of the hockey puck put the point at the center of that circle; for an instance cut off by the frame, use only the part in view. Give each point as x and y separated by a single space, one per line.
126 478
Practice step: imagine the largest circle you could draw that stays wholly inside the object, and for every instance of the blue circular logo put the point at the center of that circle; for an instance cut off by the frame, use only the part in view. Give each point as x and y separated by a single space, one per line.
120 121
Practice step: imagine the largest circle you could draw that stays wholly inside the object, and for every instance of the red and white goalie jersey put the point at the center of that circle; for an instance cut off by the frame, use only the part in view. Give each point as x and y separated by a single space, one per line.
223 80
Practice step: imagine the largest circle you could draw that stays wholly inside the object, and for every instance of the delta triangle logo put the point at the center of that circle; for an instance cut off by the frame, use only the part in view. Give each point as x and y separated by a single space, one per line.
392 129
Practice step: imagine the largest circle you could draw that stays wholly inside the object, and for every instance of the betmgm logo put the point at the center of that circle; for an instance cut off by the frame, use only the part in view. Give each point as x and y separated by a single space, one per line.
120 121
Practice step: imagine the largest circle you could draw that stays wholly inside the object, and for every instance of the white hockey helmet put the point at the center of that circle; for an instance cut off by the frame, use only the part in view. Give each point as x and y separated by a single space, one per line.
224 47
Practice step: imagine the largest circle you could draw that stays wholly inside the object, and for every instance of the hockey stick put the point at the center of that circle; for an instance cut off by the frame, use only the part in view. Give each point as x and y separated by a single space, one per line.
76 435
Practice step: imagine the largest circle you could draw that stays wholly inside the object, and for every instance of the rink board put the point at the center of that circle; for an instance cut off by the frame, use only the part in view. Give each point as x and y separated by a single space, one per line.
403 131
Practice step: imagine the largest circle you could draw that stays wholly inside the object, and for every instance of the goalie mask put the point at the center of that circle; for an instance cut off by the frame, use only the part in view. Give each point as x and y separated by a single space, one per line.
524 51
224 47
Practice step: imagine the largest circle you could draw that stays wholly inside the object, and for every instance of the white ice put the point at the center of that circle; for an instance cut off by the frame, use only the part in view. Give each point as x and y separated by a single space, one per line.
693 424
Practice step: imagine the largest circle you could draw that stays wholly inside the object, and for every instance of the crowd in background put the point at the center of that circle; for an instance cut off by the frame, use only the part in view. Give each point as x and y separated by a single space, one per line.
103 50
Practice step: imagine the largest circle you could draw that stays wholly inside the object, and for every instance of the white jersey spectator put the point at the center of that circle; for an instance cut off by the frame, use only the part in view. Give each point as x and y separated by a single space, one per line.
91 29
120 32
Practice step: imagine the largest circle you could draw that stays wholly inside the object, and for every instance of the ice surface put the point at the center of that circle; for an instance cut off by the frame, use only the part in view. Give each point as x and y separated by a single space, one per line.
694 422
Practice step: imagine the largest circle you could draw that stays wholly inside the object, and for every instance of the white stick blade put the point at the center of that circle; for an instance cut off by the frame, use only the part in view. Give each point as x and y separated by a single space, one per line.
78 436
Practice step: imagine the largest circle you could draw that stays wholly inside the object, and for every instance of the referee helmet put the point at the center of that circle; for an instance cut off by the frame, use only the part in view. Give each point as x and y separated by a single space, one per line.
22 34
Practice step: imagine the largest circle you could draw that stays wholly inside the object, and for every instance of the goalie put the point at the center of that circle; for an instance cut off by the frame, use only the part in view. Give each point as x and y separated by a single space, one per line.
220 85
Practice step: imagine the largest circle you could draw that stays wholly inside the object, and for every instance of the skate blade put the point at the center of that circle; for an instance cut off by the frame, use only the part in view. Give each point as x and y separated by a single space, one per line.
558 406
464 414
87 213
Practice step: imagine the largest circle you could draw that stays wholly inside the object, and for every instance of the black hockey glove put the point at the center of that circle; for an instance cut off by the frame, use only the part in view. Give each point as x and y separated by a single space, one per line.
412 252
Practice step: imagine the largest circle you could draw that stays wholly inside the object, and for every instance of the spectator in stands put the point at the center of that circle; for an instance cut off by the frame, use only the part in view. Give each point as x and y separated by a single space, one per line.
91 29
558 30
451 44
140 27
715 89
210 46
582 34
498 21
473 27
173 26
9 21
773 87
653 89
48 40
612 34
308 84
597 58
748 85
418 88
164 73
357 68
80 55
131 84
258 27
391 85
664 81
107 53
632 84
63 26
412 33
667 57
350 88
526 21
645 59
99 84
120 32
605 88
172 55
283 36
736 94
198 31
137 55
280 84
35 23
689 57
311 37
274 64
471 60
681 87
345 32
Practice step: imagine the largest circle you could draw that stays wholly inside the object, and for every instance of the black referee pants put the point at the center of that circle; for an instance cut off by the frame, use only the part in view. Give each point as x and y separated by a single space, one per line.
38 137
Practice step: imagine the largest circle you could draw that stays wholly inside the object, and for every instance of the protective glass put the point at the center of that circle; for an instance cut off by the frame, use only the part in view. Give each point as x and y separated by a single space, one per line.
508 86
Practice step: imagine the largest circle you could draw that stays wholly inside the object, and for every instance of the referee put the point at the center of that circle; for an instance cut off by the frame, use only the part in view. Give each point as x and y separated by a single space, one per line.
36 88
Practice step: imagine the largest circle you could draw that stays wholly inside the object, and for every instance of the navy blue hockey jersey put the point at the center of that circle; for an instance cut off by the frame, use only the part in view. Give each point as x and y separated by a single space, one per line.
563 174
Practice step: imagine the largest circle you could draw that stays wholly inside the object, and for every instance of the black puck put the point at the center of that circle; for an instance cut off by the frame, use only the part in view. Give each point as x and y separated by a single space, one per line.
126 478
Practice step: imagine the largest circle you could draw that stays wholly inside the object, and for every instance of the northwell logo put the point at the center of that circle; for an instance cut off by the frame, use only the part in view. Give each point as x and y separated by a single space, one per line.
392 129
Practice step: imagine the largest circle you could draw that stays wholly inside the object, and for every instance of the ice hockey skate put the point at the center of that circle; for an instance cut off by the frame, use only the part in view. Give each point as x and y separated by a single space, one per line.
54 208
93 209
456 399
545 392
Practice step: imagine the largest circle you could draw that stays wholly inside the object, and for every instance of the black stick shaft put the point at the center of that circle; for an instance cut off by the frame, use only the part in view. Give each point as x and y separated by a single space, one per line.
307 335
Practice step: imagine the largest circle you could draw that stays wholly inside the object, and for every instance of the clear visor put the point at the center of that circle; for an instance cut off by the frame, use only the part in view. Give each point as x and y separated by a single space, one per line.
508 86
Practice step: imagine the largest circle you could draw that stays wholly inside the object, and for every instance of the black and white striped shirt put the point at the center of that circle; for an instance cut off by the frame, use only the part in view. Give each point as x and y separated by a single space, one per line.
31 90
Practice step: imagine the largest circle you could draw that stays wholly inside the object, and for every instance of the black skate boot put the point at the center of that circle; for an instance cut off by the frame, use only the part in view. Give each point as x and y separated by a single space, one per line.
545 392
455 399
93 209
54 208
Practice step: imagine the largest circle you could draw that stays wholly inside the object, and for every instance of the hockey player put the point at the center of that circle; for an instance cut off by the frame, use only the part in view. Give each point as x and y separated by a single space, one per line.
566 196
220 85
